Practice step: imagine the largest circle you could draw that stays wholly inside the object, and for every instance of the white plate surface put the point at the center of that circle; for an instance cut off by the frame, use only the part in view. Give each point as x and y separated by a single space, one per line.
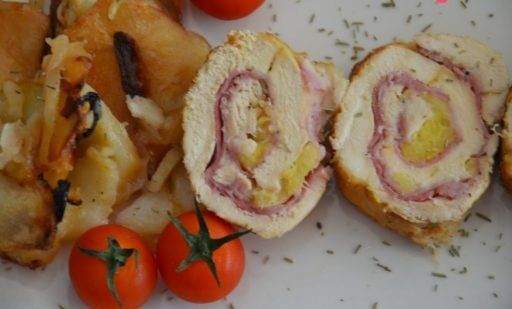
343 279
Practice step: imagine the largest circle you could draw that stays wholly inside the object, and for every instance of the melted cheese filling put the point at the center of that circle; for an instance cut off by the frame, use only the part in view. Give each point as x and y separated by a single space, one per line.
291 180
253 137
433 137
257 144
405 182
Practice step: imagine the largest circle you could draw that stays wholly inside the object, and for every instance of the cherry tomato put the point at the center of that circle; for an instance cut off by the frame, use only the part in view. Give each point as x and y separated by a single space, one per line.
228 9
109 247
196 282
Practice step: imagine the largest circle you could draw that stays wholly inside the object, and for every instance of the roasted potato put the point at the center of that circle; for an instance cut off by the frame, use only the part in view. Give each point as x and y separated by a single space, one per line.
104 167
26 221
22 33
94 156
169 57
68 11
104 175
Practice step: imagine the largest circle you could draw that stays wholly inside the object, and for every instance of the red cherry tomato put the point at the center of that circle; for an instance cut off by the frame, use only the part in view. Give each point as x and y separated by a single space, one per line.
134 282
228 9
196 283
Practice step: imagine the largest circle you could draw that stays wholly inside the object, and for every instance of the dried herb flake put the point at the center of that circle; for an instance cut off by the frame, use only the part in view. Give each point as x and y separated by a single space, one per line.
439 275
357 249
390 4
483 217
384 267
426 28
288 260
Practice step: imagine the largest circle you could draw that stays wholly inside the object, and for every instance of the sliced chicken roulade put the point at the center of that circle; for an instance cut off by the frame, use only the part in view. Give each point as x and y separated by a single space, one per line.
506 145
415 141
254 127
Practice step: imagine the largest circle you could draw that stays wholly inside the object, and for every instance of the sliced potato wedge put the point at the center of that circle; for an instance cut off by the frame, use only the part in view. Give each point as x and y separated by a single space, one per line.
170 56
20 58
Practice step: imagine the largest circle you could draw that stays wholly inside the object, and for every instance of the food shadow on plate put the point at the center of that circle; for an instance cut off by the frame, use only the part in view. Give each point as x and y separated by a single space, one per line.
491 202
329 224
505 195
360 223
40 278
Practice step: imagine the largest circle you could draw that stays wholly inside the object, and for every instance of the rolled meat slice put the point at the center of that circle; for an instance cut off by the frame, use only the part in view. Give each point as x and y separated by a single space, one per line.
415 140
506 145
255 132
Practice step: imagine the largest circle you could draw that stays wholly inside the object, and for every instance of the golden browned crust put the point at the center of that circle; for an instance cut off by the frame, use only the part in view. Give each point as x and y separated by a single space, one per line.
360 195
34 258
358 67
506 148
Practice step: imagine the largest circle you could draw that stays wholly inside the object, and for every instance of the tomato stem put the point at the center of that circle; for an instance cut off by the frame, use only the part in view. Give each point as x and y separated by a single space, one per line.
202 245
115 257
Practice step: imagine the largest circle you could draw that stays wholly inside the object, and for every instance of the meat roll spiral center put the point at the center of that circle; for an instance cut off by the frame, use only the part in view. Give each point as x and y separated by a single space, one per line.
255 132
415 139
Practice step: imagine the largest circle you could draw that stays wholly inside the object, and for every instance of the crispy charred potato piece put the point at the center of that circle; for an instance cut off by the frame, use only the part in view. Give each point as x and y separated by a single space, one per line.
79 148
169 55
88 163
129 62
26 216
22 33
26 221
109 158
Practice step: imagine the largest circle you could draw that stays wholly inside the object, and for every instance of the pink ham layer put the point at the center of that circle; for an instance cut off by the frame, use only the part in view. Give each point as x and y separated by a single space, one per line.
447 190
237 191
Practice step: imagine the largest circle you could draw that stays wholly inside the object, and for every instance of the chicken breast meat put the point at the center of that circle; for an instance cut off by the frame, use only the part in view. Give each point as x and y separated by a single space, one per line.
415 142
255 131
506 145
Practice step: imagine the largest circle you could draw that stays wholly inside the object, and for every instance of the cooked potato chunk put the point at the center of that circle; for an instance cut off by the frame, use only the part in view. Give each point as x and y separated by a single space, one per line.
170 56
20 58
68 11
102 168
25 219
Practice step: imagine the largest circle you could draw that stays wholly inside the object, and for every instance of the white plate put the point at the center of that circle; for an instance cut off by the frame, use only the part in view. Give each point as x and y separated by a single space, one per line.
344 279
